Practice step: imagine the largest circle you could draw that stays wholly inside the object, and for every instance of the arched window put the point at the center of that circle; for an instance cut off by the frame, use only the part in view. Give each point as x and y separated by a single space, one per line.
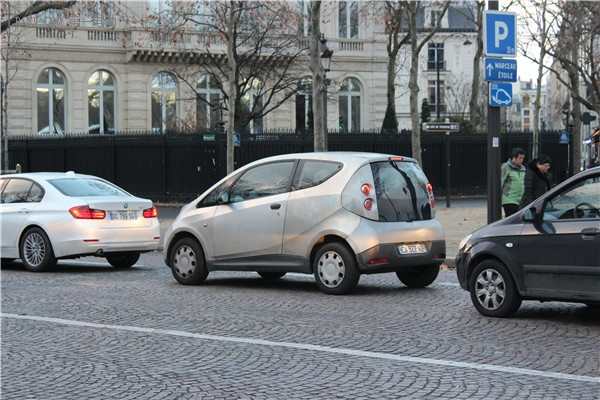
350 100
251 103
51 96
101 103
304 114
208 102
164 106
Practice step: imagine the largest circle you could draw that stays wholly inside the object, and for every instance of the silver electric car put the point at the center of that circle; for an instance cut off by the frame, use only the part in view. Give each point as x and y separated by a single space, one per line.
336 215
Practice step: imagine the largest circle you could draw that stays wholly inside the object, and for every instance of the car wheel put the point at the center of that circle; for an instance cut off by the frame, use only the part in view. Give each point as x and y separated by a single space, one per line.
36 251
187 262
123 260
335 269
493 290
271 275
425 276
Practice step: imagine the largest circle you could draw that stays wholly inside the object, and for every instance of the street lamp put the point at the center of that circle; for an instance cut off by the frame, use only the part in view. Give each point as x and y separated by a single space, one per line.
439 46
326 54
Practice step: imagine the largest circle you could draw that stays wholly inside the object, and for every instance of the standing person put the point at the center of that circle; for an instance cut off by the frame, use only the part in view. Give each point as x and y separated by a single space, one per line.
512 181
537 181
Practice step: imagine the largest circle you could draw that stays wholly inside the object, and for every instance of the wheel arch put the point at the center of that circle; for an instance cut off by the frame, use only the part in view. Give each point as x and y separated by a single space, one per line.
323 240
181 235
479 258
27 228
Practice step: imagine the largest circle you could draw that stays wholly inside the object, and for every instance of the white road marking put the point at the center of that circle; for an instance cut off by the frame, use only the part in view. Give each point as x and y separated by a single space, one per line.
311 347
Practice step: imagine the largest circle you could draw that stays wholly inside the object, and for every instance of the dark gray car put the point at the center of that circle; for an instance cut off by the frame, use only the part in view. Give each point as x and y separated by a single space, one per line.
549 251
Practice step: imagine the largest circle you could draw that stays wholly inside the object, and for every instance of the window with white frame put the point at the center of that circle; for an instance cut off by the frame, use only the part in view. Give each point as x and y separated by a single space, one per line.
350 100
101 103
164 105
304 10
432 90
208 102
51 97
99 13
348 19
304 114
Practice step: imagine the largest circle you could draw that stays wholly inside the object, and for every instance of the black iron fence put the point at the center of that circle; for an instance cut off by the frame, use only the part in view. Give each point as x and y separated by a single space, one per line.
177 168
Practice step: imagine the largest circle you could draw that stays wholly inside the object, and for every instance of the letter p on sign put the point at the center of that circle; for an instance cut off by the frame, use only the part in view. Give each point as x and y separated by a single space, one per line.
500 34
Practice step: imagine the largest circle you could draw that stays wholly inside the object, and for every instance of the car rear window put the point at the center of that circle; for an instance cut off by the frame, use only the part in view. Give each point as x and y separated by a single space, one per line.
83 187
401 189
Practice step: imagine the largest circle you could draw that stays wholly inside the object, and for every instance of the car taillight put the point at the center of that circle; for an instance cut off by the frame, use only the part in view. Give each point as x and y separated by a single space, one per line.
151 212
368 204
366 189
84 212
430 194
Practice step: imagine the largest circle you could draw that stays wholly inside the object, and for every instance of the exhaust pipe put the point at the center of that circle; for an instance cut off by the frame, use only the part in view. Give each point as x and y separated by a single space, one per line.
99 253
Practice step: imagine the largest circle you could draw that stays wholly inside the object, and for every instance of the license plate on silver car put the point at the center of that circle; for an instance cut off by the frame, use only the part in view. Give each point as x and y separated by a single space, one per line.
122 215
414 248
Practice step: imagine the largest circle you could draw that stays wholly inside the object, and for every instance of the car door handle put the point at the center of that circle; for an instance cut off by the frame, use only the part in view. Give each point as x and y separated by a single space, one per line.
24 211
589 233
275 206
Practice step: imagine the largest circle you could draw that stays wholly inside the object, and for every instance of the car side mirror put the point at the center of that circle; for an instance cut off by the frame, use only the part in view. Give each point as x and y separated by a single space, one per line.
529 215
223 198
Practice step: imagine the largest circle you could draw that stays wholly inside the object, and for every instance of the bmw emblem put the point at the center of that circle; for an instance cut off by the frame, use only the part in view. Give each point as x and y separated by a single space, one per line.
125 206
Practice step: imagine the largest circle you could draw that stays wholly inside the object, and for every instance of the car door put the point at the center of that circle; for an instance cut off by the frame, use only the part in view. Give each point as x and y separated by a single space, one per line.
252 222
20 197
560 254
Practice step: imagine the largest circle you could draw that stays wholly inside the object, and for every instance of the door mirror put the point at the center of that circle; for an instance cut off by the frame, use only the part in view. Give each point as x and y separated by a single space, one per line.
529 215
223 198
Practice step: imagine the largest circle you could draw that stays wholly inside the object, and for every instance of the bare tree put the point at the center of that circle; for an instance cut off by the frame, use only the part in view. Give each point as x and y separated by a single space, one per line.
413 8
318 73
258 71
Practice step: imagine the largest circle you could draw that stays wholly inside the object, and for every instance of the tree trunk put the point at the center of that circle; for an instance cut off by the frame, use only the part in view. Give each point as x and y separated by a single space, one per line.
231 85
318 73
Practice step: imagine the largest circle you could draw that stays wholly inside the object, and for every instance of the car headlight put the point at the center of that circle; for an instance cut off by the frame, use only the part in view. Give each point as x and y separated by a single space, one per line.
464 242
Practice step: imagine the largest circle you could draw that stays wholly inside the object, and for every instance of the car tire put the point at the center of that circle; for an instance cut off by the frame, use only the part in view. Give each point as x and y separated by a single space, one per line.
425 276
187 262
271 275
335 269
123 260
36 251
493 290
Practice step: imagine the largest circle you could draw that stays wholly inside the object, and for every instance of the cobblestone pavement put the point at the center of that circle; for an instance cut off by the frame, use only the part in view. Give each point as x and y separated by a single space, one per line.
89 331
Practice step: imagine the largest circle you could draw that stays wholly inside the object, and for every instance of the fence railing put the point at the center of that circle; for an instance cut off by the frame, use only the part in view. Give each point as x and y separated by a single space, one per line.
179 167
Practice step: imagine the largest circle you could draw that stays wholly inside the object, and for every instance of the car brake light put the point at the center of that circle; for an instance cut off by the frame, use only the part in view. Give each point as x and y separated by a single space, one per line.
368 204
379 261
84 212
366 189
396 159
151 212
431 197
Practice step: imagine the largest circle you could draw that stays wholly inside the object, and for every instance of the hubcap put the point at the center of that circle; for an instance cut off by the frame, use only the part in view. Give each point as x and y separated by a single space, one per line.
331 269
184 262
34 249
491 289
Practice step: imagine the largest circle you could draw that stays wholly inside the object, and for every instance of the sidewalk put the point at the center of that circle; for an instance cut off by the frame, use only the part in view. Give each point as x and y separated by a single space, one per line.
463 217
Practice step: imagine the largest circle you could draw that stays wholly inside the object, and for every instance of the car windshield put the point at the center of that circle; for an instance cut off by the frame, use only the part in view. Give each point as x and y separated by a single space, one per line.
401 189
84 187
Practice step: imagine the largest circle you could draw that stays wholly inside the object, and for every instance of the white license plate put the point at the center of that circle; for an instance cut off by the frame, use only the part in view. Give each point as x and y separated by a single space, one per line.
122 215
415 248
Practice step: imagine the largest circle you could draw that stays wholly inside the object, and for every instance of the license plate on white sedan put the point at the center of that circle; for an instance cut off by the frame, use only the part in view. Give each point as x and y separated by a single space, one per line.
122 215
414 248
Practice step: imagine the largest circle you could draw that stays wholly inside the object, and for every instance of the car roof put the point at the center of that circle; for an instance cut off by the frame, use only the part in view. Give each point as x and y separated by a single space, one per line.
48 175
342 156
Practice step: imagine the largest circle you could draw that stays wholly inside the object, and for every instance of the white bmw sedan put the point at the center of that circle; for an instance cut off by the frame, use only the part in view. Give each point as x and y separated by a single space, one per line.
47 216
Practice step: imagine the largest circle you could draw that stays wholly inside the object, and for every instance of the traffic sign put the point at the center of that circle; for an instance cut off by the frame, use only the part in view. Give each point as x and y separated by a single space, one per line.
500 69
500 34
500 94
441 126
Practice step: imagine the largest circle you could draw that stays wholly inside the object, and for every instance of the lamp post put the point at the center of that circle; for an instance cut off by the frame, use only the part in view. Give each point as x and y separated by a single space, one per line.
439 46
326 54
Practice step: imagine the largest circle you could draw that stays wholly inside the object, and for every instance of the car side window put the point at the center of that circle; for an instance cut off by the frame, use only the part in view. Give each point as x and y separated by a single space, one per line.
580 200
263 180
314 172
21 191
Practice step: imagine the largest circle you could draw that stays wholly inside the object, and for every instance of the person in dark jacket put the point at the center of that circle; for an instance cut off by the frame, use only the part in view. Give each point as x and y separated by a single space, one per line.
536 179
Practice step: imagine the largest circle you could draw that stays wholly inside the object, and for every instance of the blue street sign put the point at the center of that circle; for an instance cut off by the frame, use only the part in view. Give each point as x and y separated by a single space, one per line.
500 94
500 34
500 69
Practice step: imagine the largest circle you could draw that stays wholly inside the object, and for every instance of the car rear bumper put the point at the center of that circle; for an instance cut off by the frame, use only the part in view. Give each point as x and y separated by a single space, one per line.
386 258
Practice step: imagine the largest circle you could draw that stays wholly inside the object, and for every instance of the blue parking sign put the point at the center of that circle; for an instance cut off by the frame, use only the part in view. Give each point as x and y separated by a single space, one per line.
500 34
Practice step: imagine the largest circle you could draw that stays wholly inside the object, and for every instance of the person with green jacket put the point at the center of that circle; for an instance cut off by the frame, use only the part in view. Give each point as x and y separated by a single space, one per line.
512 181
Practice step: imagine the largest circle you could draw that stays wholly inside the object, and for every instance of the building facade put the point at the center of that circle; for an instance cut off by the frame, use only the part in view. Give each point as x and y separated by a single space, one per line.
109 67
